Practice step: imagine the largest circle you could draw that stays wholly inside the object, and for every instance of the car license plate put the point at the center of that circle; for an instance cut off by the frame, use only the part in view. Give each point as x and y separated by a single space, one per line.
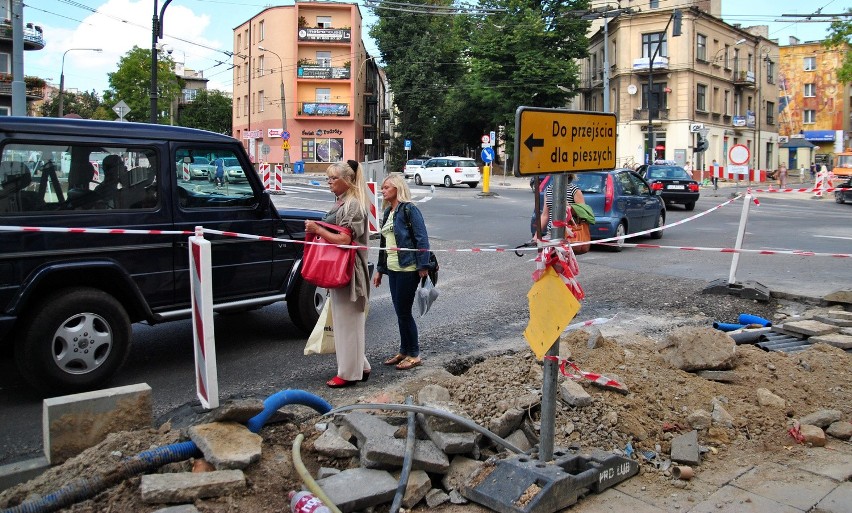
679 187
469 175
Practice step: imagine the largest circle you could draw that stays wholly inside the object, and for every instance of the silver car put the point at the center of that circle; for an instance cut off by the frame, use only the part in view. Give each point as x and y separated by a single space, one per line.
234 172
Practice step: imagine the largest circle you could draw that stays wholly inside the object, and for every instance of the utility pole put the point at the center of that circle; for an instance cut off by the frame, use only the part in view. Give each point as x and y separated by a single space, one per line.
676 15
156 34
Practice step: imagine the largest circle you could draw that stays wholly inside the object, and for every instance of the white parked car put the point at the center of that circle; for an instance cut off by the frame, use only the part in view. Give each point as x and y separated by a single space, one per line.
449 171
412 166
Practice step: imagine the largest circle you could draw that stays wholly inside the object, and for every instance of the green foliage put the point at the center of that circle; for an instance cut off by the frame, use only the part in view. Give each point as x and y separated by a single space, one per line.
457 77
86 105
839 38
132 83
211 110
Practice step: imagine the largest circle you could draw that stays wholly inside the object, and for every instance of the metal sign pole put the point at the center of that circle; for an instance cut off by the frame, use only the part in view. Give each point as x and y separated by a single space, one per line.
550 368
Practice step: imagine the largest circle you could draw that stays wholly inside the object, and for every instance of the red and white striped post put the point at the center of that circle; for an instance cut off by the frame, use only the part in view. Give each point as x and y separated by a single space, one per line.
204 342
185 170
265 176
374 207
278 178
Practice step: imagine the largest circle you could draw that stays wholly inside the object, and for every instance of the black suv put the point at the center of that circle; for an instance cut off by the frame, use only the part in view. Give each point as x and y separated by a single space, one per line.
68 299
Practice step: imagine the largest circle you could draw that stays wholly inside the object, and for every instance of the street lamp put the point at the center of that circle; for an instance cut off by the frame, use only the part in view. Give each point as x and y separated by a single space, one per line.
156 34
62 76
283 107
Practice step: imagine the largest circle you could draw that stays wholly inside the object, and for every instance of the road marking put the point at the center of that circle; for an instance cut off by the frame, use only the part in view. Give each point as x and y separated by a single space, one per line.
832 237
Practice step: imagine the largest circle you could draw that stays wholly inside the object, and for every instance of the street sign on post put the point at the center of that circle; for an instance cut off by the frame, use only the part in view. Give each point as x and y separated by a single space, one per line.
563 141
487 154
739 154
408 145
122 109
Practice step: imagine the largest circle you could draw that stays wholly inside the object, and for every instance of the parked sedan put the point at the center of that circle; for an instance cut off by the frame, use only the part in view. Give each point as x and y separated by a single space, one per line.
674 183
233 170
199 167
449 171
412 167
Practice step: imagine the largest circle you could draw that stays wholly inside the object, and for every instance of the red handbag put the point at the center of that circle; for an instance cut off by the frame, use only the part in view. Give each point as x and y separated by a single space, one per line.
327 265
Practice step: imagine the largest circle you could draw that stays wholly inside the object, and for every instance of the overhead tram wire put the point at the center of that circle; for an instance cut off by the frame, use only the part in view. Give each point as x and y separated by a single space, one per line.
430 9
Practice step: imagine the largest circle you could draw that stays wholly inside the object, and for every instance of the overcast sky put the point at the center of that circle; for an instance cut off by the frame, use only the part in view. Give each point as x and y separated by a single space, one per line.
199 31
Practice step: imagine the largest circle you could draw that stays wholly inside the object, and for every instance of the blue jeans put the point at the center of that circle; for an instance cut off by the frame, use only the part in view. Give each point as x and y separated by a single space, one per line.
403 286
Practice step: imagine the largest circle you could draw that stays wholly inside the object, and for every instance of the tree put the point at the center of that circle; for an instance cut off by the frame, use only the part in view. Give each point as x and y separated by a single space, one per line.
87 105
210 110
132 83
839 38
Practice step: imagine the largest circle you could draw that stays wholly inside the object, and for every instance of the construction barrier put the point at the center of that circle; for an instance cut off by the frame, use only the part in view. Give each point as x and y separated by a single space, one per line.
265 177
204 343
754 175
97 176
185 172
277 178
373 199
824 182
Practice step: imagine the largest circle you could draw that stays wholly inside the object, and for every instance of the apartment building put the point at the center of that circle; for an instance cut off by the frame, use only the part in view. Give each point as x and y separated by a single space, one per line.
814 117
33 40
310 58
713 78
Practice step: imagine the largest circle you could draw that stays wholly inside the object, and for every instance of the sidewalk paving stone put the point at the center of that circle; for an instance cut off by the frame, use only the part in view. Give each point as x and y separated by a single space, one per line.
786 485
732 499
833 461
838 501
613 501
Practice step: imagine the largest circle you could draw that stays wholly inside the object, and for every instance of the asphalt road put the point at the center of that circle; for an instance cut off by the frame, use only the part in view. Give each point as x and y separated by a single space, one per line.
483 304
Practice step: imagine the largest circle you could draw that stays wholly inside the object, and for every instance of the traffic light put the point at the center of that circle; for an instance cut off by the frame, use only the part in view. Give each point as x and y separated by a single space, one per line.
677 18
702 145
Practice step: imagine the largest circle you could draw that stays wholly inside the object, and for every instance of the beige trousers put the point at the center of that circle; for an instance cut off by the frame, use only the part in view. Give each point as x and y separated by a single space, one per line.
350 342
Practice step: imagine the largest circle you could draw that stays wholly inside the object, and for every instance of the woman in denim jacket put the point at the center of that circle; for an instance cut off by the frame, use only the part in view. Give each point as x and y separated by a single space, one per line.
402 227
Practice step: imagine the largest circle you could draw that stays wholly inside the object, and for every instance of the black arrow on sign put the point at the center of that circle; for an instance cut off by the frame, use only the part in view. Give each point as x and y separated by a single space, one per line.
533 143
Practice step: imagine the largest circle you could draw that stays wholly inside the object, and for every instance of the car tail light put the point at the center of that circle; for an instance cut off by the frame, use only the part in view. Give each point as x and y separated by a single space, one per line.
657 186
609 194
693 187
458 170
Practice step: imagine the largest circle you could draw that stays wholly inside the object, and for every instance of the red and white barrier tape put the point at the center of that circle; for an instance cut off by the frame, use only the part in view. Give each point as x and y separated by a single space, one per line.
107 231
563 261
579 374
590 322
827 189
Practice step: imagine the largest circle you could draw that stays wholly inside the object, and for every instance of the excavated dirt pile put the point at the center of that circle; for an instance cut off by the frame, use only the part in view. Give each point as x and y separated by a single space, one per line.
662 403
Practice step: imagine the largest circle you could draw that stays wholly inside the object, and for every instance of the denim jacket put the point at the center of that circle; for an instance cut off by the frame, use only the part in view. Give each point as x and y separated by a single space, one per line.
414 237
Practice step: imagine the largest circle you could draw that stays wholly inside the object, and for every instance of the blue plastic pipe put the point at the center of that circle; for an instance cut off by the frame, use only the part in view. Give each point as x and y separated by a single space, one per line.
724 326
753 319
283 398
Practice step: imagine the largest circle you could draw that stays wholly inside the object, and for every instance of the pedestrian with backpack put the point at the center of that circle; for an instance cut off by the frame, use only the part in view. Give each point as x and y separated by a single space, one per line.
402 226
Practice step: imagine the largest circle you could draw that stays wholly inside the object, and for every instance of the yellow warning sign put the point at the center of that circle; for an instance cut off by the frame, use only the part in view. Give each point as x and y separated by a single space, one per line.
563 141
552 307
286 145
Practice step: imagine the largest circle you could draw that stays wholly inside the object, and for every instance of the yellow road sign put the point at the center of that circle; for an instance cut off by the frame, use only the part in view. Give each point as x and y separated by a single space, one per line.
285 145
563 141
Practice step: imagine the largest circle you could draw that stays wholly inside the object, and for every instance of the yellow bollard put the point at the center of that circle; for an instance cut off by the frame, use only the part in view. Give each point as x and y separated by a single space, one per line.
486 178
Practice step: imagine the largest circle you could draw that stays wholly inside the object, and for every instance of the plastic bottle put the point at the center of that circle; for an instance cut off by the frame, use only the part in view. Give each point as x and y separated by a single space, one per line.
306 502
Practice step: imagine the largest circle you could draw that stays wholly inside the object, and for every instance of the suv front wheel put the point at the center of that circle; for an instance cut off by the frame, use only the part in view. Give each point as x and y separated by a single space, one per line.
75 339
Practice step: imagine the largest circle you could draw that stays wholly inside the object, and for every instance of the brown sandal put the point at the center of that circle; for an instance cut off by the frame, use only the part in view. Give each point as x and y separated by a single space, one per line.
393 360
409 363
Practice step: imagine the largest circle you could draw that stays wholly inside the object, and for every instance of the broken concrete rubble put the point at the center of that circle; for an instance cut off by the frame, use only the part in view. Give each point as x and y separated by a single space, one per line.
698 348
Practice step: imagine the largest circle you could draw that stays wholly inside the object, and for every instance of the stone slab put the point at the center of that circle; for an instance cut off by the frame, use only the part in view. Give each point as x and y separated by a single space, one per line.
834 339
833 461
733 499
381 449
188 486
838 501
73 423
573 394
359 488
810 328
791 487
836 321
685 449
227 445
613 501
840 314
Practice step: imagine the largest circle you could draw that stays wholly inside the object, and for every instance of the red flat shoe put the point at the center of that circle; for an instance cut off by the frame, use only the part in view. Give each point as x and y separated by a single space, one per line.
338 382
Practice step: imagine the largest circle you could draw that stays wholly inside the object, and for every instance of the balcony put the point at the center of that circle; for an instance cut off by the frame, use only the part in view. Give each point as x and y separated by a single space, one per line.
324 35
323 72
33 35
743 77
642 114
324 109
35 86
642 63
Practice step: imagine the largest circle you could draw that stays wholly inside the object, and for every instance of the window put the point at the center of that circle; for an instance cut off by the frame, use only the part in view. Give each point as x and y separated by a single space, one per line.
594 69
245 105
261 30
650 42
246 39
260 63
725 57
654 4
202 162
810 63
323 94
809 117
239 41
236 74
4 111
726 104
810 90
189 95
715 100
701 98
324 59
770 72
658 99
237 109
95 178
770 113
261 101
324 21
701 47
322 150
